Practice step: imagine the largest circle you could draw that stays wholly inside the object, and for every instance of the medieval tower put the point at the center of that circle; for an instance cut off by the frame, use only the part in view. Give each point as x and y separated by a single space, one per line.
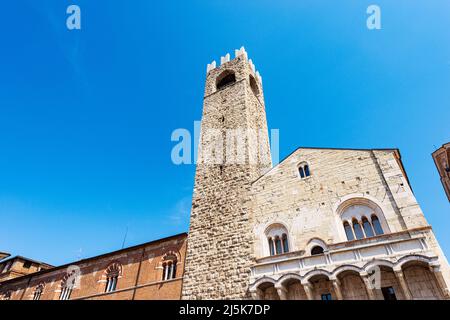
233 152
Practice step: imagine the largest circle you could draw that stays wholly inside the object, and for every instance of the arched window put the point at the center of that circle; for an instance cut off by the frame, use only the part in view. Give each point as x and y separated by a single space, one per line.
316 250
376 225
112 276
357 228
226 78
38 292
271 247
7 295
348 231
67 285
306 170
278 246
285 243
365 218
254 85
169 266
303 170
367 227
277 239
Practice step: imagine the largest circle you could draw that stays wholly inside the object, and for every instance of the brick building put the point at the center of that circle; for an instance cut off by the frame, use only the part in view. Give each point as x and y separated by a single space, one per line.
152 270
14 267
324 223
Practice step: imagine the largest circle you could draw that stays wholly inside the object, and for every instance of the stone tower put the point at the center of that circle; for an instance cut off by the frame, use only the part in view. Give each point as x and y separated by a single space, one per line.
233 152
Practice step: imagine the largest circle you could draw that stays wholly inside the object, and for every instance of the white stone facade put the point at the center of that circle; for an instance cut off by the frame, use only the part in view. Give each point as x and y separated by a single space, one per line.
344 186
323 224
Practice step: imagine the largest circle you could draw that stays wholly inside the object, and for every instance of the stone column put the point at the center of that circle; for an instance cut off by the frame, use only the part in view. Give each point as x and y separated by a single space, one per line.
369 286
401 279
257 294
282 292
437 273
308 290
337 288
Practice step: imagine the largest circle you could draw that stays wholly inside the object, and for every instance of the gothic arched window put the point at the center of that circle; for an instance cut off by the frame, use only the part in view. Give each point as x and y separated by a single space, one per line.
348 231
112 276
7 295
376 225
38 292
367 227
169 266
357 228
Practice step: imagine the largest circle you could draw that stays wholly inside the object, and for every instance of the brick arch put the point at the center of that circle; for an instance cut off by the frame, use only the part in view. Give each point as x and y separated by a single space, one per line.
113 269
166 256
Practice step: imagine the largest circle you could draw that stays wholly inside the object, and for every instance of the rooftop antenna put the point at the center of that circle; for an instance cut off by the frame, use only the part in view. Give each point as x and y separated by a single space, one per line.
125 238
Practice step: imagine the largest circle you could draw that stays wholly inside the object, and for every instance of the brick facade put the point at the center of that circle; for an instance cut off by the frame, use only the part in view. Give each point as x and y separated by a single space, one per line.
140 278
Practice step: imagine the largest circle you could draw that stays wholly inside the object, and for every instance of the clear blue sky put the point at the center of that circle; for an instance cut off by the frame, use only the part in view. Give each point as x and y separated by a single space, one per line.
86 116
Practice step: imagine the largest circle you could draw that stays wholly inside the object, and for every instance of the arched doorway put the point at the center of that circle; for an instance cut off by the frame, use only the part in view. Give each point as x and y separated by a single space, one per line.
322 287
352 286
421 282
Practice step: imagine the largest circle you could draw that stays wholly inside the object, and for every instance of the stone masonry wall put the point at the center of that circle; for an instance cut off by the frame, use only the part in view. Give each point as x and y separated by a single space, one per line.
220 238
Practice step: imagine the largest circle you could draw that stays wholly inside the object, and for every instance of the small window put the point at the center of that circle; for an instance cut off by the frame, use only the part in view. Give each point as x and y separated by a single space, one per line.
277 239
348 231
326 297
376 225
112 276
388 293
307 171
38 292
169 267
285 243
271 247
27 264
65 293
111 284
316 250
254 85
367 227
278 245
226 78
303 170
358 231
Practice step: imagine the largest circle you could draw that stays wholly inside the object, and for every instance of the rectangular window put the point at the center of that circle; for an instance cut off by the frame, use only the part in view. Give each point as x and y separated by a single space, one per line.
388 293
27 264
326 296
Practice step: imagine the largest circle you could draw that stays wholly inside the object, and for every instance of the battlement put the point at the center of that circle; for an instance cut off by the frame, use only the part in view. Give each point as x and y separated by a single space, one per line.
237 53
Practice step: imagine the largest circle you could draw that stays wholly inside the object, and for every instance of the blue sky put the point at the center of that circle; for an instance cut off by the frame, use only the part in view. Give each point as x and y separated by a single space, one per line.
86 116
